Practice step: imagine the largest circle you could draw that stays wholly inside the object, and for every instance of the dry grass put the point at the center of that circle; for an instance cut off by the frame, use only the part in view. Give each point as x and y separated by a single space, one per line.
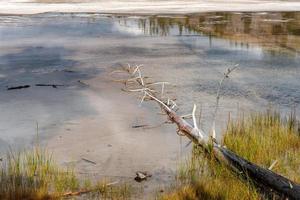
28 175
262 138
32 175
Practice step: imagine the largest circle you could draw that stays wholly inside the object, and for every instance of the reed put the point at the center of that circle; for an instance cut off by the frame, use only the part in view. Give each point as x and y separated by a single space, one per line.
263 138
33 175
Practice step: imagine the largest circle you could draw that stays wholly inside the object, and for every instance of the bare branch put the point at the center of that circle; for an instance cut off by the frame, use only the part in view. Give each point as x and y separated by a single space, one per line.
273 165
159 101
226 75
264 177
194 117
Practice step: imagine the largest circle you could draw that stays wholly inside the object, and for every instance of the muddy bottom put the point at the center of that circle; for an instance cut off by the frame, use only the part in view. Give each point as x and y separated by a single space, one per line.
122 139
87 121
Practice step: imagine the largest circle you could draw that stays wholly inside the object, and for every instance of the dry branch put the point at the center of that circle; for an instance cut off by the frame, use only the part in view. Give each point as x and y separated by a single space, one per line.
85 191
264 178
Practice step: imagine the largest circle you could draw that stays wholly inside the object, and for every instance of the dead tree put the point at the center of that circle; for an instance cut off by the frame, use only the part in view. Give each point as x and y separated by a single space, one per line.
264 178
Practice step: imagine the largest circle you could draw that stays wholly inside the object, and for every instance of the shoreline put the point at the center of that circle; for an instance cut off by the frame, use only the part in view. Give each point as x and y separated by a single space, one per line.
116 149
161 7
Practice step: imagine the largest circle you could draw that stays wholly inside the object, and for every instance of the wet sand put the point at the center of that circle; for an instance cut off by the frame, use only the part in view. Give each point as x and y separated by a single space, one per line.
139 7
117 149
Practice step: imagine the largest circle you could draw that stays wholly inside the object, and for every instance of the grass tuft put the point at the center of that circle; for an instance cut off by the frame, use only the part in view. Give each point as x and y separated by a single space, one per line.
32 175
261 138
264 138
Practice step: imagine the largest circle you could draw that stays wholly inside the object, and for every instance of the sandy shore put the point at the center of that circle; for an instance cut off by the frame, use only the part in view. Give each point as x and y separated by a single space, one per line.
143 6
115 148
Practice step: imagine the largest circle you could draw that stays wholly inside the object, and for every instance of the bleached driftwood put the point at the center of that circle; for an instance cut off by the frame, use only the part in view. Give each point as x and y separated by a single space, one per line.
264 178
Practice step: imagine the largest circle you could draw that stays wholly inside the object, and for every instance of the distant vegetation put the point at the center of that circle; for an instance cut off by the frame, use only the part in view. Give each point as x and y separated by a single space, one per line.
263 138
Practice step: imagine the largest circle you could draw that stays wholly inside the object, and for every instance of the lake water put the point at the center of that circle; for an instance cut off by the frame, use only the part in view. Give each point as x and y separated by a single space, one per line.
191 51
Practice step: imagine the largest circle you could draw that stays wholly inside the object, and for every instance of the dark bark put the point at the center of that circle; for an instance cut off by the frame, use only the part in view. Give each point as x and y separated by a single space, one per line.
266 179
49 85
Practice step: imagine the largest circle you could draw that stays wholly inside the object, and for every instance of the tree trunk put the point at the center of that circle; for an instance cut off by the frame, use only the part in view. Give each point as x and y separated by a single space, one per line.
264 178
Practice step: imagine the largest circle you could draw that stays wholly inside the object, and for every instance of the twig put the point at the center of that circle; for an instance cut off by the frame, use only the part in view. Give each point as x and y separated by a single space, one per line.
264 177
194 117
89 161
139 126
226 75
83 83
159 101
80 192
273 165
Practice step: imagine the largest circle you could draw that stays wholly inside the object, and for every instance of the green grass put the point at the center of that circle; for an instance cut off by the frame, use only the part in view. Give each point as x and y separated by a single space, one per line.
261 138
27 175
264 138
33 175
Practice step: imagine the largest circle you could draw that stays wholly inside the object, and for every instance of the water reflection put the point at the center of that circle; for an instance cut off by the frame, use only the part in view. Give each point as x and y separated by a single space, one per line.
192 51
277 33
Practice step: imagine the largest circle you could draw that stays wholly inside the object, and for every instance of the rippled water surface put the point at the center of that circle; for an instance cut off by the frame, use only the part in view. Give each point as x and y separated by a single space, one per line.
191 51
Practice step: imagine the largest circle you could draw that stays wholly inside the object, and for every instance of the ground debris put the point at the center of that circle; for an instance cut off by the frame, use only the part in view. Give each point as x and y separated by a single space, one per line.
83 83
89 161
49 85
68 71
18 87
84 191
139 126
141 176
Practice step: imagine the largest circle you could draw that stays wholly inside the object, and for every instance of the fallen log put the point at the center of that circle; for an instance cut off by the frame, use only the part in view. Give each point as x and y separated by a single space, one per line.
265 179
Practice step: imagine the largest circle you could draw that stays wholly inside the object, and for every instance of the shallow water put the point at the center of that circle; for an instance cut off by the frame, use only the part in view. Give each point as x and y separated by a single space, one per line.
191 51
63 48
